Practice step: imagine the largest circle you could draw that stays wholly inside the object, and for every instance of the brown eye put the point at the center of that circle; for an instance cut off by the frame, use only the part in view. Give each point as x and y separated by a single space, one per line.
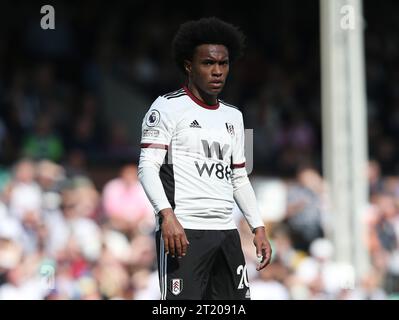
208 62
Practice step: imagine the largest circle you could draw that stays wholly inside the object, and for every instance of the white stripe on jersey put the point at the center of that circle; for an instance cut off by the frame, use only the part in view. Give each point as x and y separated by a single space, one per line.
173 93
162 268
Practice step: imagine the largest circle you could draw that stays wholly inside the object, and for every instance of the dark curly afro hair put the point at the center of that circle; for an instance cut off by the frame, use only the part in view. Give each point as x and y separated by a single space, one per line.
206 31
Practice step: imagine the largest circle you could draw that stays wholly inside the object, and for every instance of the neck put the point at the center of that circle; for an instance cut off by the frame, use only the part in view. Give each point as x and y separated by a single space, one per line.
201 95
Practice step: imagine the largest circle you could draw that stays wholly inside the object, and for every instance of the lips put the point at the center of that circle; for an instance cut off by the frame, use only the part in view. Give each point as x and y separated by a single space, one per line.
216 84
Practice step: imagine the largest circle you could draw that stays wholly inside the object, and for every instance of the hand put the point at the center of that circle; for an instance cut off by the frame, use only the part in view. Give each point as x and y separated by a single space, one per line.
173 234
263 248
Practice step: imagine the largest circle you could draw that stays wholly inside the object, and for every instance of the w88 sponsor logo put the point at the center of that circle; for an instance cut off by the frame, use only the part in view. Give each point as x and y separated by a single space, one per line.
218 170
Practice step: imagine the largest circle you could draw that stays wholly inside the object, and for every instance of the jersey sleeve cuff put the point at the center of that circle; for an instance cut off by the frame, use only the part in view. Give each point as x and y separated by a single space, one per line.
161 206
154 146
238 165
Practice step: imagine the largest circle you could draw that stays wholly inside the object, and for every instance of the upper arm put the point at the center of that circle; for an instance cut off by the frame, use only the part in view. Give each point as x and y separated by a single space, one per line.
158 126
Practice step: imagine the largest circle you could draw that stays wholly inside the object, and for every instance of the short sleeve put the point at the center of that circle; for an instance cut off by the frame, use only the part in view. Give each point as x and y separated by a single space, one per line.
158 126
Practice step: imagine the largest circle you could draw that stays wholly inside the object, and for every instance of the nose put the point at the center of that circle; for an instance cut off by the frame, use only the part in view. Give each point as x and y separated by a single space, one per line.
217 70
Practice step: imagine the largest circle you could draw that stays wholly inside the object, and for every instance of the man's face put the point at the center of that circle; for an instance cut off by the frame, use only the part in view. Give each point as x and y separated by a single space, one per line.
209 68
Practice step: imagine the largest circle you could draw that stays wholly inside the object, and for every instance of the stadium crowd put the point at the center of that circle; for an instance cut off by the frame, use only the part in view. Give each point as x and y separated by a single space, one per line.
69 231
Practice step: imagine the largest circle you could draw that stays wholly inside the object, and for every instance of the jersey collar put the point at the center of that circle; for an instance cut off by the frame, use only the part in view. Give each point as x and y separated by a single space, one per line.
198 101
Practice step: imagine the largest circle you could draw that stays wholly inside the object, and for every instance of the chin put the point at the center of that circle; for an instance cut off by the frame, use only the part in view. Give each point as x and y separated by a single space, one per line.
213 91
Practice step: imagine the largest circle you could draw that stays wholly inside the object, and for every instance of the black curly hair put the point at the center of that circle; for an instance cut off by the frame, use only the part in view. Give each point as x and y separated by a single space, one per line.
206 31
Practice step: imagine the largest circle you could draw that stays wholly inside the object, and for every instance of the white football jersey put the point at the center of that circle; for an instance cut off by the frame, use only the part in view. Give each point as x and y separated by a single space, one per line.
204 144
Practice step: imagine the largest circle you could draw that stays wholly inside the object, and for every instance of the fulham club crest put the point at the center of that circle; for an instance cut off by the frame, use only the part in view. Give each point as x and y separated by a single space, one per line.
176 286
230 128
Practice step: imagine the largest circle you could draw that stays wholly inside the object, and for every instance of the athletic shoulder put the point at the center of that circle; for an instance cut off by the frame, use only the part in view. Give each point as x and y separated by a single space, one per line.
168 102
230 107
175 94
224 103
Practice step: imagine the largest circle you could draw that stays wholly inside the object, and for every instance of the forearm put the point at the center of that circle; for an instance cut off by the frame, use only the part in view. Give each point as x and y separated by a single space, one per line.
149 166
245 198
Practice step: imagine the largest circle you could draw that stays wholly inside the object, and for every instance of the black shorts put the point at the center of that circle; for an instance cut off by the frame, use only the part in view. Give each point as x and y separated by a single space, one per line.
213 268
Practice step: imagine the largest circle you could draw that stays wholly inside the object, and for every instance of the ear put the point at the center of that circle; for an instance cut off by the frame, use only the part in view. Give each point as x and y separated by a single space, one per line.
187 66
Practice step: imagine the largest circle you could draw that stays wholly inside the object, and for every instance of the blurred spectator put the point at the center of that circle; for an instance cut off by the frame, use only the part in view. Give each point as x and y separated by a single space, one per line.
23 194
374 178
49 177
306 210
119 146
3 136
44 143
73 233
88 130
22 283
113 278
126 204
283 248
76 163
369 289
384 240
269 285
83 137
145 284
